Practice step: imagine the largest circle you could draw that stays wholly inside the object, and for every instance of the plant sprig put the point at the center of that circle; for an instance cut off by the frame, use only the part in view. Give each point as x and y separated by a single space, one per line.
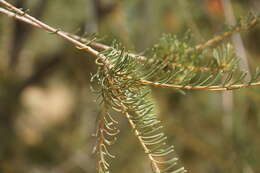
124 79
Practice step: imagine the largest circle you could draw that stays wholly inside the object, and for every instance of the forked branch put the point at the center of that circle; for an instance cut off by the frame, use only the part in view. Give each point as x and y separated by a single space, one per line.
77 41
86 44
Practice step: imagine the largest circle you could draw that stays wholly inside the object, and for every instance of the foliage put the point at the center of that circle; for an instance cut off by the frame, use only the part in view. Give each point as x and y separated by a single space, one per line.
124 81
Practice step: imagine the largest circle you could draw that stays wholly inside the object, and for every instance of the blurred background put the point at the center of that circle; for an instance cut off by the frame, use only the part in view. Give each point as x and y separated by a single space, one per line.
48 113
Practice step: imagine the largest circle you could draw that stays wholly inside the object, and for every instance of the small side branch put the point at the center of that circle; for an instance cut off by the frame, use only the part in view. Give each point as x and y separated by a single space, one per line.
189 87
227 34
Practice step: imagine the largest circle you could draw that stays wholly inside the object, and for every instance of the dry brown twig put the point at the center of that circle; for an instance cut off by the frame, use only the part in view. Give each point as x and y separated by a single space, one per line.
18 14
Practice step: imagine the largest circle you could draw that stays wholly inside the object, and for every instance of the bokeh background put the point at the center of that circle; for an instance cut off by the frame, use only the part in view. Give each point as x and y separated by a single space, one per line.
48 113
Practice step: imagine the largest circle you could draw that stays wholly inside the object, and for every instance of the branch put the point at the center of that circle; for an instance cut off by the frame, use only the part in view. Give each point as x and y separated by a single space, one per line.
224 35
96 45
33 21
21 18
216 39
107 135
189 87
140 114
102 47
20 15
22 32
83 43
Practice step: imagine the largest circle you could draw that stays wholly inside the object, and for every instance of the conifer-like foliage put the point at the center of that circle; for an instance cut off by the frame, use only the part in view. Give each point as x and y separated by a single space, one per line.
126 95
125 79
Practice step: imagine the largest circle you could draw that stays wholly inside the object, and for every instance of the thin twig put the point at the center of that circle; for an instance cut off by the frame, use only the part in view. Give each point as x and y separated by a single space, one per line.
189 87
52 30
131 122
137 134
21 18
224 35
22 32
216 39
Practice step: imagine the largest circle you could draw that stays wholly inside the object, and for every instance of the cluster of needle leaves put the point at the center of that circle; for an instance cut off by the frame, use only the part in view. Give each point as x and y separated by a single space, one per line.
172 62
126 95
173 65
